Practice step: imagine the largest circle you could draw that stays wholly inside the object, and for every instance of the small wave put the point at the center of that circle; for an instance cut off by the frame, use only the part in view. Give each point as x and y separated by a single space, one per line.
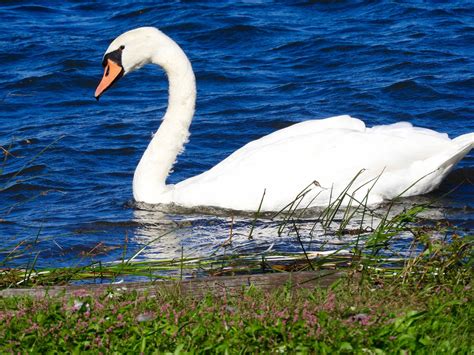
300 45
113 151
75 63
347 47
11 57
441 114
398 66
132 14
411 88
24 187
90 6
232 34
224 77
35 9
26 171
463 84
384 51
51 81
114 126
442 13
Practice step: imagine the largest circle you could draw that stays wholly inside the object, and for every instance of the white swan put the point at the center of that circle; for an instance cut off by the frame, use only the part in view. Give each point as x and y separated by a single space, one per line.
330 151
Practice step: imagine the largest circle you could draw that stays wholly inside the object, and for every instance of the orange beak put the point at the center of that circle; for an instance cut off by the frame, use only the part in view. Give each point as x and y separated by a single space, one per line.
112 73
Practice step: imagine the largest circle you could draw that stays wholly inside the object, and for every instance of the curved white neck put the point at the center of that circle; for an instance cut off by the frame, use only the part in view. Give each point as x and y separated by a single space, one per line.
149 181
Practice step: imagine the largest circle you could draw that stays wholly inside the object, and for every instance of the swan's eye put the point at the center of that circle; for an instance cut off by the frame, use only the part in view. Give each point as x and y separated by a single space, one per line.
122 47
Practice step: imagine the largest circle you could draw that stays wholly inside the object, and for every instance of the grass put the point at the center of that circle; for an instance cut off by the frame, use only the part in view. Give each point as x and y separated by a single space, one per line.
371 314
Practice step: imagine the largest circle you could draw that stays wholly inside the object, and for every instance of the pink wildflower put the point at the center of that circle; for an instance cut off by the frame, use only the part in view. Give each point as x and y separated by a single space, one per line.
330 304
310 319
361 318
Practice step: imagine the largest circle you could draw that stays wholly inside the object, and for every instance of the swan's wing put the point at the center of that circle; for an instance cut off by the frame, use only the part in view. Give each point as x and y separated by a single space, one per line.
289 140
309 127
330 151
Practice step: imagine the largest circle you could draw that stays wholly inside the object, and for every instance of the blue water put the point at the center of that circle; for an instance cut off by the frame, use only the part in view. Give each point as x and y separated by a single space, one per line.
260 66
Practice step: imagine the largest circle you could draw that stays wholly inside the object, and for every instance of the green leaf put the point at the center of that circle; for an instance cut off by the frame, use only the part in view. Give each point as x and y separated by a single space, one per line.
178 349
426 340
345 346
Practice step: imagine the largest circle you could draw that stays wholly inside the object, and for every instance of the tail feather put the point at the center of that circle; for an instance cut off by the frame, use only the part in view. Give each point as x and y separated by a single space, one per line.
437 167
465 140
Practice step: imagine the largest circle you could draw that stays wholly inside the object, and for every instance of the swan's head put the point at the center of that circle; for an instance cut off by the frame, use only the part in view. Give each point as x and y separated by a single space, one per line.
128 52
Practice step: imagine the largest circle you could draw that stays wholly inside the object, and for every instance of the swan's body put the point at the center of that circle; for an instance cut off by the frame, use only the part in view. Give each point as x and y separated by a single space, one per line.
387 160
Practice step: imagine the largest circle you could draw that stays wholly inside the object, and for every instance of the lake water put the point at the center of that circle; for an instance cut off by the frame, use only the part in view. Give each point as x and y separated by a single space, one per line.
260 66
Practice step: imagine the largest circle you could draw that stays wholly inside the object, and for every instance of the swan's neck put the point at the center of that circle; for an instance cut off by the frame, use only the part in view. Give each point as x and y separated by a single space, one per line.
149 181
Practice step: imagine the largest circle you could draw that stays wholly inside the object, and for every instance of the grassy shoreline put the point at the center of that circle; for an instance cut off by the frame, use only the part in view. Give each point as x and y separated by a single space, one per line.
361 312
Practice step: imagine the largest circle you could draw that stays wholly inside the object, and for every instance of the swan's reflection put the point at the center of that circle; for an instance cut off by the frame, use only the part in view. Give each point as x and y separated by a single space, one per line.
169 235
169 232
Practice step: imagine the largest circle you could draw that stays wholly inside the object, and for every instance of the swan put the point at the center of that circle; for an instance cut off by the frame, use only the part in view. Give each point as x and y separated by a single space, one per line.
313 160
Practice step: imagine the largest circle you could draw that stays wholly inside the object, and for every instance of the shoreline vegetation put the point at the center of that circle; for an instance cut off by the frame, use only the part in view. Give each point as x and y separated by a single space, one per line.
369 296
360 312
